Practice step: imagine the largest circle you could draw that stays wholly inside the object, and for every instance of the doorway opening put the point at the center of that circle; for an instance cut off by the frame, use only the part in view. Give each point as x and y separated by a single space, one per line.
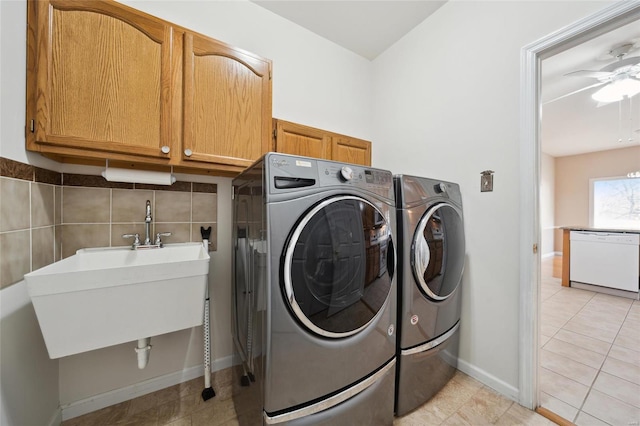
608 19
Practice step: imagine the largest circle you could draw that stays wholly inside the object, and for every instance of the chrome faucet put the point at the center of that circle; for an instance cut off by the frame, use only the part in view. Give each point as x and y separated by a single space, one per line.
148 242
147 225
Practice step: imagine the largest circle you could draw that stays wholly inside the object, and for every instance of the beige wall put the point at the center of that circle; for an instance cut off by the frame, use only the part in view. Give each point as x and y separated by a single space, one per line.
547 204
572 183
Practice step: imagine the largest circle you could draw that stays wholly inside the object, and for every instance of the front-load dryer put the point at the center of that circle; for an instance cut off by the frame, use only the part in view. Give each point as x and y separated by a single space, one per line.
314 293
431 257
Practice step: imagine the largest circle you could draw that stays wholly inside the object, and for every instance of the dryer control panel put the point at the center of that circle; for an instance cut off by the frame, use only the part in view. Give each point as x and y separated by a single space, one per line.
375 180
291 172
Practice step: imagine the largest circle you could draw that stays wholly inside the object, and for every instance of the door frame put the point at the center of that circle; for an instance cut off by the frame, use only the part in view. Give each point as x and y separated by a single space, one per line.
610 18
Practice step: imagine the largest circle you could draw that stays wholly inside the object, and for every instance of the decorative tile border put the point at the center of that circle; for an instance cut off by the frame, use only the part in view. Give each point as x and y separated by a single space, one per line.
92 181
17 170
14 169
47 176
208 188
176 187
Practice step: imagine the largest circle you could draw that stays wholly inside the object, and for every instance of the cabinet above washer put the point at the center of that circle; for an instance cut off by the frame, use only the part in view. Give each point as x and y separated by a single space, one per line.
298 139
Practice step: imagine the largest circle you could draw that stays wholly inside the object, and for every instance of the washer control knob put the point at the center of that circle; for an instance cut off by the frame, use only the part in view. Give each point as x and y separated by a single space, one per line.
440 188
346 173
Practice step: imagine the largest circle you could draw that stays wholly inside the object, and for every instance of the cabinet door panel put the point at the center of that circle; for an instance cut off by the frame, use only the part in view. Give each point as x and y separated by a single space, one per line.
227 103
351 150
295 139
103 78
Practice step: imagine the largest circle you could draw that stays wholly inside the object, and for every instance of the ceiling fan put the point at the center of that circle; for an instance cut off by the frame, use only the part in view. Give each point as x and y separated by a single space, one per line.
619 79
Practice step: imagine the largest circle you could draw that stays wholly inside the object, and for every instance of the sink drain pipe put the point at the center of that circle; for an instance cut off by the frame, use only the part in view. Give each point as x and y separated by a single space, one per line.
208 391
143 350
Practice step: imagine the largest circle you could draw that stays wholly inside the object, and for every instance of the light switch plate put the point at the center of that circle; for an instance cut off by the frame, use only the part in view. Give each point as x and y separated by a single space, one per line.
486 183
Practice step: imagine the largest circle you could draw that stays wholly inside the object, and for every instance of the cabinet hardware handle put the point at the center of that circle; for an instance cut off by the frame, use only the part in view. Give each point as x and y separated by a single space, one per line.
188 152
165 149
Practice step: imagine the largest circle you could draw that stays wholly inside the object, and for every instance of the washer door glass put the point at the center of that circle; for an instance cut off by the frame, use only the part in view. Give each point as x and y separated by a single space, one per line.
438 251
338 265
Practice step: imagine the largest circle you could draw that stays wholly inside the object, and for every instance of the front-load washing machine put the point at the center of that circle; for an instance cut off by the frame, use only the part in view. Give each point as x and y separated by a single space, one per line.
431 257
314 293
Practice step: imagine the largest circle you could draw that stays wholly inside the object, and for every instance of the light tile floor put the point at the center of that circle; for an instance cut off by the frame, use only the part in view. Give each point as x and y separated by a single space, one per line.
463 401
589 359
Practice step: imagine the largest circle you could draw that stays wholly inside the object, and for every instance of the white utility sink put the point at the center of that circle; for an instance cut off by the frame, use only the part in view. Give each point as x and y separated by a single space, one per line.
105 296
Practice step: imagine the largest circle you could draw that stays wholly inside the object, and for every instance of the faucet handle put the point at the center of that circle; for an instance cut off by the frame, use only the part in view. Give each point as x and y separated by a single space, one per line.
136 239
161 234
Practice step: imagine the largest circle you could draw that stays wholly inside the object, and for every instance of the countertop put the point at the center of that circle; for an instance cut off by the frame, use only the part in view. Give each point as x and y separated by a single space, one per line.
587 228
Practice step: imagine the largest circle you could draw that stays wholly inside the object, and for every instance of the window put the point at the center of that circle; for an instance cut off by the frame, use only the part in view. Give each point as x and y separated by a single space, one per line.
615 203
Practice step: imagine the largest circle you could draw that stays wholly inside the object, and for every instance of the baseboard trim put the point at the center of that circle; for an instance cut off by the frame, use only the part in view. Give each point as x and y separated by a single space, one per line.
56 418
97 402
551 254
489 380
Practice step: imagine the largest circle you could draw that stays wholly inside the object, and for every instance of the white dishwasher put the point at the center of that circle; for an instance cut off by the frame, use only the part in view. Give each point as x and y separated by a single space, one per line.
608 259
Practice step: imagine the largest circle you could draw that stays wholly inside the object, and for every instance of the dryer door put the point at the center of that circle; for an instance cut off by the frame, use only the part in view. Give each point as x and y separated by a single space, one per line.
338 266
437 252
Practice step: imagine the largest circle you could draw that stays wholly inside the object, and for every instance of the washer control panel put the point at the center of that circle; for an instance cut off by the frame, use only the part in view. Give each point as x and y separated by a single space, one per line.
298 173
378 181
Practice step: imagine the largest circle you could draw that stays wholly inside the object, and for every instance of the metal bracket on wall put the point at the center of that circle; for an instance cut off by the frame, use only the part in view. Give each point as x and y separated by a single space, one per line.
486 181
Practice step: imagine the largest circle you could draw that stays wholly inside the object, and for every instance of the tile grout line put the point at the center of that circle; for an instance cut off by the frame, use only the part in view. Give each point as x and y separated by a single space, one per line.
30 226
580 410
553 337
593 301
562 328
548 300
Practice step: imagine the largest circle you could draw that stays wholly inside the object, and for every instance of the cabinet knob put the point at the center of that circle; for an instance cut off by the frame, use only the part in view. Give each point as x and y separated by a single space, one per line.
165 149
188 152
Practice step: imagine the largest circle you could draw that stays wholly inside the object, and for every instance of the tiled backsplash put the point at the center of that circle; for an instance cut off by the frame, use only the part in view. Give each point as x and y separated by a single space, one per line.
46 216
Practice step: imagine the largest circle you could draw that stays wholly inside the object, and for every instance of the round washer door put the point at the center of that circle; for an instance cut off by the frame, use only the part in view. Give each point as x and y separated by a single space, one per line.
437 252
338 266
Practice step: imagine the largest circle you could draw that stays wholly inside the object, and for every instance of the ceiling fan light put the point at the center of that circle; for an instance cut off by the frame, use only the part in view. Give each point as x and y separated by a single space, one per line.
617 90
606 95
631 86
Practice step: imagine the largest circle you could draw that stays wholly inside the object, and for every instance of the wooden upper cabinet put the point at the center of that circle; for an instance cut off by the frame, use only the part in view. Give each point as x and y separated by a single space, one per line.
351 150
99 80
106 81
227 104
296 139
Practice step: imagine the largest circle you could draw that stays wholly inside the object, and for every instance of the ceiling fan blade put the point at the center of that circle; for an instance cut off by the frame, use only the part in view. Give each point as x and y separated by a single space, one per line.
573 93
590 74
634 60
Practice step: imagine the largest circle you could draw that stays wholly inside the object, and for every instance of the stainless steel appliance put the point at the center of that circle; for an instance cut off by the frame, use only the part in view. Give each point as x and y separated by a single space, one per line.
431 256
314 293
